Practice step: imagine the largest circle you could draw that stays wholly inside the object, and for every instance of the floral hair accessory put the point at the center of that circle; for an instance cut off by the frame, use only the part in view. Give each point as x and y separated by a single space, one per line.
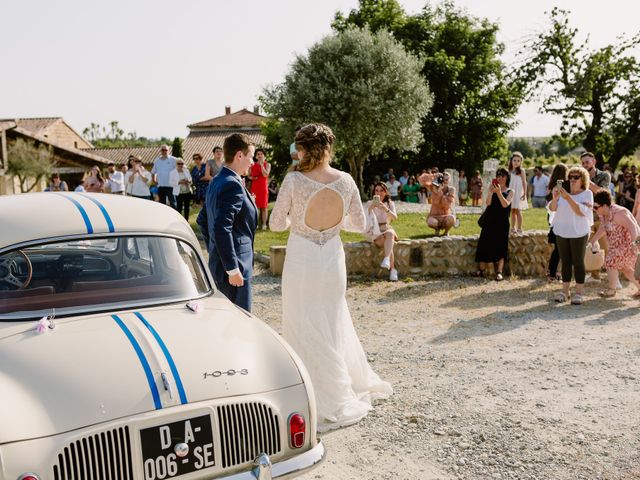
194 306
45 324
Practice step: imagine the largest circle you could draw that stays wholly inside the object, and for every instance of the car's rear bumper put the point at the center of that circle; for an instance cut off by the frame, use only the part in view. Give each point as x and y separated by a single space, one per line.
290 468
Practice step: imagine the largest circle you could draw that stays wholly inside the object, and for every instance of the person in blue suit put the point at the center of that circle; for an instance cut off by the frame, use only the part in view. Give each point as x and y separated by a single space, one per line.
232 218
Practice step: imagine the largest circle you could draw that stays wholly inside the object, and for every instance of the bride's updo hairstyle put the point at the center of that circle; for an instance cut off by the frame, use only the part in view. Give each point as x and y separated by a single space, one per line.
317 141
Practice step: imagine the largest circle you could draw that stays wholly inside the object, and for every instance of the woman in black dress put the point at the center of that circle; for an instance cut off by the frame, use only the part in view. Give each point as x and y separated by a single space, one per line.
493 244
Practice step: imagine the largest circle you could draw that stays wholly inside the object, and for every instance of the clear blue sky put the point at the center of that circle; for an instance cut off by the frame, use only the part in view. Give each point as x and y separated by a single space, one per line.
156 66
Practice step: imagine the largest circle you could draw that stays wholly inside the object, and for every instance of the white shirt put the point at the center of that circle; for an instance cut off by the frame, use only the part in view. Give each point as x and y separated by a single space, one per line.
174 180
116 182
138 187
540 185
393 187
162 167
566 223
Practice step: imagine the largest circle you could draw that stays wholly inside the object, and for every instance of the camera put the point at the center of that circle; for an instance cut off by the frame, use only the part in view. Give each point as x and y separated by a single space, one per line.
438 180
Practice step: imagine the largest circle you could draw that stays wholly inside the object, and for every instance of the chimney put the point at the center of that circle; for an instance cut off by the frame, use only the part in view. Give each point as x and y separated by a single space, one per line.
256 109
227 110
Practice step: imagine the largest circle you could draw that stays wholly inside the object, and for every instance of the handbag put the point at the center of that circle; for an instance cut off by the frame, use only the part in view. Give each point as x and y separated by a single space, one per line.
593 259
482 219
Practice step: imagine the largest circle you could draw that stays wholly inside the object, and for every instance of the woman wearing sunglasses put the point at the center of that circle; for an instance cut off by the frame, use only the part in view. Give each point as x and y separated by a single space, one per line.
622 230
571 221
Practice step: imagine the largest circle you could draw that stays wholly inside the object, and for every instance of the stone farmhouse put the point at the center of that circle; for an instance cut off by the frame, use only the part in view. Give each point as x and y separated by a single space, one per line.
204 136
71 157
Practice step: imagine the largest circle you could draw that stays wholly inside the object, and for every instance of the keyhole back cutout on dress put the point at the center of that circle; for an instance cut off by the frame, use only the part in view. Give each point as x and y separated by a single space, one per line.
325 210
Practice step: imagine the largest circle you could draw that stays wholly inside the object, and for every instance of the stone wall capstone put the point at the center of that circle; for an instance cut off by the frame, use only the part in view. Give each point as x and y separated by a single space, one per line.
440 256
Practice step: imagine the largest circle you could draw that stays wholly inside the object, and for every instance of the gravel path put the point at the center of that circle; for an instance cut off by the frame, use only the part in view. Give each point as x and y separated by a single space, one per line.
492 381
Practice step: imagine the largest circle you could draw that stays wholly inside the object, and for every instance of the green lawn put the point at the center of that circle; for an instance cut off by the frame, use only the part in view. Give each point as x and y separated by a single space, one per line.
408 225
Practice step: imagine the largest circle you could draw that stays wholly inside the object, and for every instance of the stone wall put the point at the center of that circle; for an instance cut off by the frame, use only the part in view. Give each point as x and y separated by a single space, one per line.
455 255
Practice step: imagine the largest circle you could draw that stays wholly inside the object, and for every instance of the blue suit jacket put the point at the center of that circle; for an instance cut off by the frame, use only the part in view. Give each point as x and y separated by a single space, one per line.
232 219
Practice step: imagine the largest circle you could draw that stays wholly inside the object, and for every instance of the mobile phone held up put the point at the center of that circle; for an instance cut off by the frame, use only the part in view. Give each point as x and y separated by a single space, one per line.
559 184
494 182
376 199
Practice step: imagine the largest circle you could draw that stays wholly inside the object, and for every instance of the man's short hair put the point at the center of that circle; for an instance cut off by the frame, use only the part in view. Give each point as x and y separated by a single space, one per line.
237 142
216 148
111 164
587 154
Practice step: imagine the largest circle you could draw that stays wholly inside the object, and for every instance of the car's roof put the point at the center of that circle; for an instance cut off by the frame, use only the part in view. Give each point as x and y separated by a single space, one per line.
38 216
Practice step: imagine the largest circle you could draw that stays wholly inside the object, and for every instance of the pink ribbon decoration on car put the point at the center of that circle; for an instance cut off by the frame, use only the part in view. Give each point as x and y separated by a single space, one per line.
44 324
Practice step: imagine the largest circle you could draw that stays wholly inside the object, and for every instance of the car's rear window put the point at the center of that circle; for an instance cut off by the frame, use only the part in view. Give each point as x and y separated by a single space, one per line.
98 274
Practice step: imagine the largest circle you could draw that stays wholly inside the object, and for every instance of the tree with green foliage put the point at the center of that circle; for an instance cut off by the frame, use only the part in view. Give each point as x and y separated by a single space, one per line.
364 85
114 137
176 147
474 103
28 162
597 92
523 146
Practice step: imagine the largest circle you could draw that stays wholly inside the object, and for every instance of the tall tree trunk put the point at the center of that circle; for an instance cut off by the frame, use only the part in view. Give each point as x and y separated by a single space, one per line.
356 169
590 142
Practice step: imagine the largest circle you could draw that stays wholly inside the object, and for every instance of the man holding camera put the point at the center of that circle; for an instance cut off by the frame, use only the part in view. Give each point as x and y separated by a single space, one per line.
443 197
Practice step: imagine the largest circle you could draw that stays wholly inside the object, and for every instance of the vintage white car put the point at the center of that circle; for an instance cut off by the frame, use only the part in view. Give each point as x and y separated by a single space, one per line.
119 361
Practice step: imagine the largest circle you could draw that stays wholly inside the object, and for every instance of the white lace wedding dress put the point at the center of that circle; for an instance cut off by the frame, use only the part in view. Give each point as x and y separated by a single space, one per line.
316 319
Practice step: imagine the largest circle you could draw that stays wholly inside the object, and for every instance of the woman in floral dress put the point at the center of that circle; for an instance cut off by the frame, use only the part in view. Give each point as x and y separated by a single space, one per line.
622 230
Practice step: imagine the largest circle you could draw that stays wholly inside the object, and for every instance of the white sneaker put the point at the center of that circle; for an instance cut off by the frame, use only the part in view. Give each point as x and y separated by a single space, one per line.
393 276
386 263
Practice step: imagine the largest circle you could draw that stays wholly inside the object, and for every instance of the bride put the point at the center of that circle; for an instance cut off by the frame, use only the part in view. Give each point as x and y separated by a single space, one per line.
317 201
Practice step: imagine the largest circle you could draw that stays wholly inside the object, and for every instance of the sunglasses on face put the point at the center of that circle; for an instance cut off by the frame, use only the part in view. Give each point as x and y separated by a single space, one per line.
596 207
574 177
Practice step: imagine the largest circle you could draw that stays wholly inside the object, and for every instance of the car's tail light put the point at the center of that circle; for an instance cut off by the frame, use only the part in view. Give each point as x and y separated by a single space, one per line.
297 430
28 476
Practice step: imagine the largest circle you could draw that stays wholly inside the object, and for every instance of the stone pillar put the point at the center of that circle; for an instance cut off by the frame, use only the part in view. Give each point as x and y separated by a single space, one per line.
276 259
489 169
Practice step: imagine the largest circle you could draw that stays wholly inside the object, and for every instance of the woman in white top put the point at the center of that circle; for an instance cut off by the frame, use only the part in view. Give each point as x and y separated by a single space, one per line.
137 180
571 222
181 181
381 211
317 201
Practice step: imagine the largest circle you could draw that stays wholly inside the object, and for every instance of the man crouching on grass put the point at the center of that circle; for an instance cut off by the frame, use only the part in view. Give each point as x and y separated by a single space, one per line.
443 198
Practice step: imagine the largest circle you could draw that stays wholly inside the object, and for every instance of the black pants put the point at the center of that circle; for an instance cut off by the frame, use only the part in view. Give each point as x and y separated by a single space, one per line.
184 202
166 194
572 252
554 260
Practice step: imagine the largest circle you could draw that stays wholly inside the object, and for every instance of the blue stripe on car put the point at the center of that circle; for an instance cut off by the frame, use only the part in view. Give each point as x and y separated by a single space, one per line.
143 361
82 211
165 350
105 214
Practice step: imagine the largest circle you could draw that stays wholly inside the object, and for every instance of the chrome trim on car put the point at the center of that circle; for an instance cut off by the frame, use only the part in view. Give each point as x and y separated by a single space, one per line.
262 469
287 468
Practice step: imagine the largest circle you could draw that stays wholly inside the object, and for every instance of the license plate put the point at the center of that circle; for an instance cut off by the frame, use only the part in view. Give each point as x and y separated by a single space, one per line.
177 448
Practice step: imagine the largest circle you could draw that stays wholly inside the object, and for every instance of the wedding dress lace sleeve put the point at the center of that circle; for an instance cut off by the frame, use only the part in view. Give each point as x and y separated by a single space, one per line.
355 220
280 220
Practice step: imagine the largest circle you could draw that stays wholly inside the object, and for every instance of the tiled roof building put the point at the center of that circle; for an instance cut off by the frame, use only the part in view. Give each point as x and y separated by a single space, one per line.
204 136
120 155
70 161
53 129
